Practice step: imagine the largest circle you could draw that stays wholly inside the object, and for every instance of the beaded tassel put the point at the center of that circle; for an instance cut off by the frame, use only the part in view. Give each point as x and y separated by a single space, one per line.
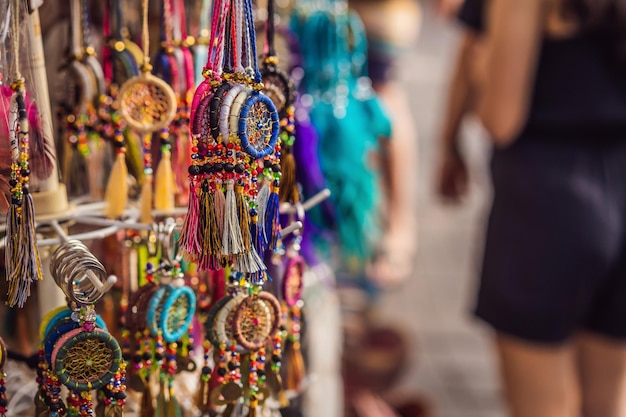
22 257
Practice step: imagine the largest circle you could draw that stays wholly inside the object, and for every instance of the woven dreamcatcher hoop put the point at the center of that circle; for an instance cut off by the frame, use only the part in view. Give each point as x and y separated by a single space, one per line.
86 360
249 329
147 103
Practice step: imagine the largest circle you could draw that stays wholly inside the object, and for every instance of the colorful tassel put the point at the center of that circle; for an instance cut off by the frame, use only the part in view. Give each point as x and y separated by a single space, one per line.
232 241
211 237
220 207
190 239
116 194
164 182
272 218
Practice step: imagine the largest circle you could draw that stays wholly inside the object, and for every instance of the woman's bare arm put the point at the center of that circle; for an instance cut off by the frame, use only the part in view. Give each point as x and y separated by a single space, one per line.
507 73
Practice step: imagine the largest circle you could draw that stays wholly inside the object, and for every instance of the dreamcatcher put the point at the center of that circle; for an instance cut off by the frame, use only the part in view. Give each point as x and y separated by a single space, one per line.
77 351
147 104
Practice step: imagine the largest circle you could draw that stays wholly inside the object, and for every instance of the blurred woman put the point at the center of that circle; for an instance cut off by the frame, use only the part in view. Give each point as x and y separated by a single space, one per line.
552 95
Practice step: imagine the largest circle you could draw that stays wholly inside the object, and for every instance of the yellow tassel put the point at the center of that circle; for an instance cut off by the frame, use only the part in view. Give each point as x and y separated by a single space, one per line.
164 184
116 195
145 204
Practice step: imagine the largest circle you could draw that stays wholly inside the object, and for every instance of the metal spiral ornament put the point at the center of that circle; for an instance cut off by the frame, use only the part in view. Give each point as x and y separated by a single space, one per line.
78 272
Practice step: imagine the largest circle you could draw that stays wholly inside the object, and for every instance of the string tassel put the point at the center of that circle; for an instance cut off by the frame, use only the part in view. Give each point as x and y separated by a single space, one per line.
232 241
77 174
116 194
262 200
212 240
272 218
190 239
164 186
220 207
289 186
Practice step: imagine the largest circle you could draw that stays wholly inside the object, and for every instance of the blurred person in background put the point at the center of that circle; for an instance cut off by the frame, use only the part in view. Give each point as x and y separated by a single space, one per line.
549 78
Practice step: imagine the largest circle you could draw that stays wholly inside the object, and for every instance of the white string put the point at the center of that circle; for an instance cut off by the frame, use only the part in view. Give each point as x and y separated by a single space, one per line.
240 19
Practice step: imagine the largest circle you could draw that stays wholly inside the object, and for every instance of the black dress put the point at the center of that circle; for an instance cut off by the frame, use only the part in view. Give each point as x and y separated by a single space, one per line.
555 252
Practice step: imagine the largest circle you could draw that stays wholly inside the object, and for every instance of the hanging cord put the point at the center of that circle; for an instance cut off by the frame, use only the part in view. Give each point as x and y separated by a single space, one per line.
250 19
145 37
269 30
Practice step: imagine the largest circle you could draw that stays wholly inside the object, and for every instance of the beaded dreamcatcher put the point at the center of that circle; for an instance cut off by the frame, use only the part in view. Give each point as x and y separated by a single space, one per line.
77 351
147 104
22 262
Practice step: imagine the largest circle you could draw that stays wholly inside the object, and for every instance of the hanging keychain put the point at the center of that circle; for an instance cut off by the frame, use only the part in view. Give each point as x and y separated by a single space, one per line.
22 262
148 104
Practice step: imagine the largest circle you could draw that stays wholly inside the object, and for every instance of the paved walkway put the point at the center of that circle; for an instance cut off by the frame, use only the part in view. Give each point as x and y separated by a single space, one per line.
452 361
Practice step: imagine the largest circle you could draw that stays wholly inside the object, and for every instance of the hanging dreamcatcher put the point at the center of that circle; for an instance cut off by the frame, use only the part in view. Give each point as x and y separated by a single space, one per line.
147 104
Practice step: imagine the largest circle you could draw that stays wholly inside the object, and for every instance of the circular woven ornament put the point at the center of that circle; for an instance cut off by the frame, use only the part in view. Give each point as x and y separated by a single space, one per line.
224 321
292 281
214 108
235 109
147 103
225 109
136 311
257 319
86 361
279 88
177 313
209 325
258 125
155 309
